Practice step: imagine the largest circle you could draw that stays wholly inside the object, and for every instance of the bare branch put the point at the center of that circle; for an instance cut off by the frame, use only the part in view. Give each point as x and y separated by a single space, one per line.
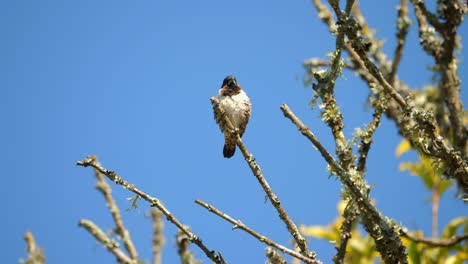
257 172
261 238
428 39
296 249
158 235
432 18
182 242
349 216
317 62
457 166
382 231
327 17
367 135
403 24
434 242
274 257
442 49
120 229
92 161
111 245
372 43
35 254
350 28
325 86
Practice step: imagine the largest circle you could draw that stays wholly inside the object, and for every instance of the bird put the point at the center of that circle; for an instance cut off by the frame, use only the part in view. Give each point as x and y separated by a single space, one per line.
236 105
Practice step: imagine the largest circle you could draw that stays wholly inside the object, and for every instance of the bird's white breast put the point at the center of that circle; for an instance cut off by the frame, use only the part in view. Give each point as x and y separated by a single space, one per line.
235 107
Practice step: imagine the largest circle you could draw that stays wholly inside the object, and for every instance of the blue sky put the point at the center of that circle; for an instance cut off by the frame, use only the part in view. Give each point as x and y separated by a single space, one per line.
130 81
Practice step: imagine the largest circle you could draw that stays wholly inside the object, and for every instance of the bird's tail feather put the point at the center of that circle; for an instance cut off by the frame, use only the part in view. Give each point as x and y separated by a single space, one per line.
229 147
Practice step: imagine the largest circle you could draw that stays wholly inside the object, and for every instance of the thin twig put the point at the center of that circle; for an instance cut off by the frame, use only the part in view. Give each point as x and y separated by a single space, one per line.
328 157
92 161
403 24
442 48
350 28
120 229
327 17
428 39
106 241
35 253
325 86
261 238
434 242
349 216
387 241
296 249
274 257
158 235
317 62
431 18
257 172
367 135
371 41
182 242
435 211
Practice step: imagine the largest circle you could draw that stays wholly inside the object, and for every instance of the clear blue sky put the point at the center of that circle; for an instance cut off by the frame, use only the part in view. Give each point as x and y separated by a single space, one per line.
130 81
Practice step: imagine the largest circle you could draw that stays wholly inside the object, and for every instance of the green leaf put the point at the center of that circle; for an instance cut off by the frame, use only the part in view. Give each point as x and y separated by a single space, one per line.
418 169
402 148
452 227
413 253
319 232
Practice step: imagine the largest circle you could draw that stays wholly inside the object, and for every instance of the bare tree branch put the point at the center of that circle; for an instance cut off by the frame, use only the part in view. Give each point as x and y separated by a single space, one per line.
324 88
182 242
372 43
120 229
403 24
349 26
432 241
35 254
296 249
257 172
317 62
261 238
382 231
366 136
349 216
111 245
274 257
158 235
92 161
457 166
431 18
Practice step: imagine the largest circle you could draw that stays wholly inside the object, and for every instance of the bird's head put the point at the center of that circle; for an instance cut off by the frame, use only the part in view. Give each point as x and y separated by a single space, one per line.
230 81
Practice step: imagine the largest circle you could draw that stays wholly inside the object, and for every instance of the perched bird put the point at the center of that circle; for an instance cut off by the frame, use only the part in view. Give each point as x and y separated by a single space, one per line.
236 105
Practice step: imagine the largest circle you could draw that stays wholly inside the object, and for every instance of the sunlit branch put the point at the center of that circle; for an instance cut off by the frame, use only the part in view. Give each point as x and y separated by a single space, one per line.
349 216
35 253
120 229
238 224
274 256
158 235
387 241
432 241
403 24
92 161
111 245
